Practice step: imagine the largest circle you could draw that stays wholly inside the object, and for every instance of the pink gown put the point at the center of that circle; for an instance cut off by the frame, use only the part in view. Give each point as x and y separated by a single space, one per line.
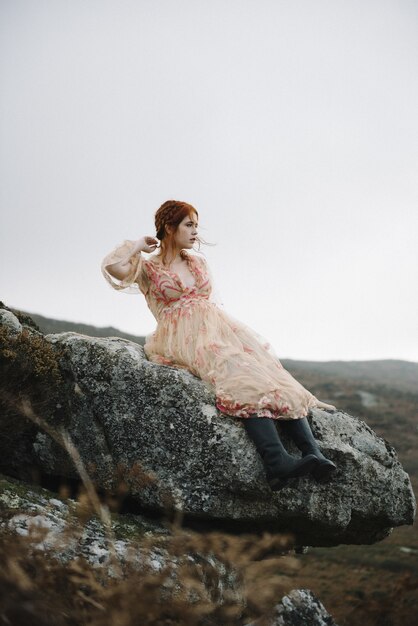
196 334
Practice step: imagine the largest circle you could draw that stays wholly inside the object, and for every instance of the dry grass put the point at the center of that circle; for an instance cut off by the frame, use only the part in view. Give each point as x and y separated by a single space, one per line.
38 588
355 583
35 588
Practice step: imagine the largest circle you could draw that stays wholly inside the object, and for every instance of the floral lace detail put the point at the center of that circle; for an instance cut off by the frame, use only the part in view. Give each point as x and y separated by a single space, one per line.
195 334
265 407
167 290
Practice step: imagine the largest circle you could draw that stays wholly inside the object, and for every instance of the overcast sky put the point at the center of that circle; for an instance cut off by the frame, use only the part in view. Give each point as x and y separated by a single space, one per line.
291 126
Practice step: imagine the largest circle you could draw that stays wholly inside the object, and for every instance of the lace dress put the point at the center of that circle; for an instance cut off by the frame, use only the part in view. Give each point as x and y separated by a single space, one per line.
196 334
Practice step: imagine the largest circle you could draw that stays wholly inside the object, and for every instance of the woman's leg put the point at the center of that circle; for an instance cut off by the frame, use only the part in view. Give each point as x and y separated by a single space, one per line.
279 465
301 433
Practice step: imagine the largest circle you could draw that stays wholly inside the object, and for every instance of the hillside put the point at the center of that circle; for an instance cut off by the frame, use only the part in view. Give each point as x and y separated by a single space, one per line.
47 326
358 584
392 373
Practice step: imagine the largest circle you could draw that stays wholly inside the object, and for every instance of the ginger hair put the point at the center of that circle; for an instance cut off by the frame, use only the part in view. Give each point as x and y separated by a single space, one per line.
171 213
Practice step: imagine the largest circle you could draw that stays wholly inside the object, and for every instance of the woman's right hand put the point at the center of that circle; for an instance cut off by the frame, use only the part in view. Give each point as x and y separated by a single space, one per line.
147 244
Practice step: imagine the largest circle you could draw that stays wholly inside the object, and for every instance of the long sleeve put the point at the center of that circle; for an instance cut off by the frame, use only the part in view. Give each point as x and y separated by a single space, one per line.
137 280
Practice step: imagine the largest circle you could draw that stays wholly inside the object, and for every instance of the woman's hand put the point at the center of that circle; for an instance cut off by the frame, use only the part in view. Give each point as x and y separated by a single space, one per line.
147 244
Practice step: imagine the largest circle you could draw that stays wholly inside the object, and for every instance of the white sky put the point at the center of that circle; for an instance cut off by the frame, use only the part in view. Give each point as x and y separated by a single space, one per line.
291 126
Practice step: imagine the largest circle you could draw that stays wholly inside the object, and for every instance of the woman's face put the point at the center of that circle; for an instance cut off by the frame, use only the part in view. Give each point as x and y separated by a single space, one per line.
186 232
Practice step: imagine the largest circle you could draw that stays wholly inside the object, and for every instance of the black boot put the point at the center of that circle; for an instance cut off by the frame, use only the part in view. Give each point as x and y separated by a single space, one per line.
301 433
279 465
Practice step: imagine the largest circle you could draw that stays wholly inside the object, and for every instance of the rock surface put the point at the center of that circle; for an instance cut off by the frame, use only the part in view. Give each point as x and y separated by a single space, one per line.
134 544
25 508
125 413
300 607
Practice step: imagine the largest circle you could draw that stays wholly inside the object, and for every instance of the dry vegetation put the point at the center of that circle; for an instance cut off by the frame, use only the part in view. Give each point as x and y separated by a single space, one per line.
368 585
36 588
374 585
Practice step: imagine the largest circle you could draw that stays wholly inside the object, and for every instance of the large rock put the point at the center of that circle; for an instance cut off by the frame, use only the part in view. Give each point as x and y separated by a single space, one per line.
158 426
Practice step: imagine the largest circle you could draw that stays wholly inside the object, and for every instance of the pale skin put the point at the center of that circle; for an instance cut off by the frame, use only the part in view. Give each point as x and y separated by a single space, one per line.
182 239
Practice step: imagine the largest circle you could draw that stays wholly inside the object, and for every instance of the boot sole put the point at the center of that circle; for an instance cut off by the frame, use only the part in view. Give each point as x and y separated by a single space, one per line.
324 471
279 482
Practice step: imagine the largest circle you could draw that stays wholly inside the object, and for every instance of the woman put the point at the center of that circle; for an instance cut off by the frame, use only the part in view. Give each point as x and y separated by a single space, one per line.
196 334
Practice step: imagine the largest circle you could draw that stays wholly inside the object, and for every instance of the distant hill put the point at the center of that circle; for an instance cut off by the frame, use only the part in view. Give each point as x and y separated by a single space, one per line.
394 373
391 373
50 326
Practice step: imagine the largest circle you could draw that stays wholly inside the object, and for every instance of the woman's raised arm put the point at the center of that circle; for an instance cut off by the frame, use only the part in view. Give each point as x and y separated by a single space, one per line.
121 269
124 264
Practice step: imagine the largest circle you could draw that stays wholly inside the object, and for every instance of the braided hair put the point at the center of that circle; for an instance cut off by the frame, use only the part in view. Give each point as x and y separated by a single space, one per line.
171 213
